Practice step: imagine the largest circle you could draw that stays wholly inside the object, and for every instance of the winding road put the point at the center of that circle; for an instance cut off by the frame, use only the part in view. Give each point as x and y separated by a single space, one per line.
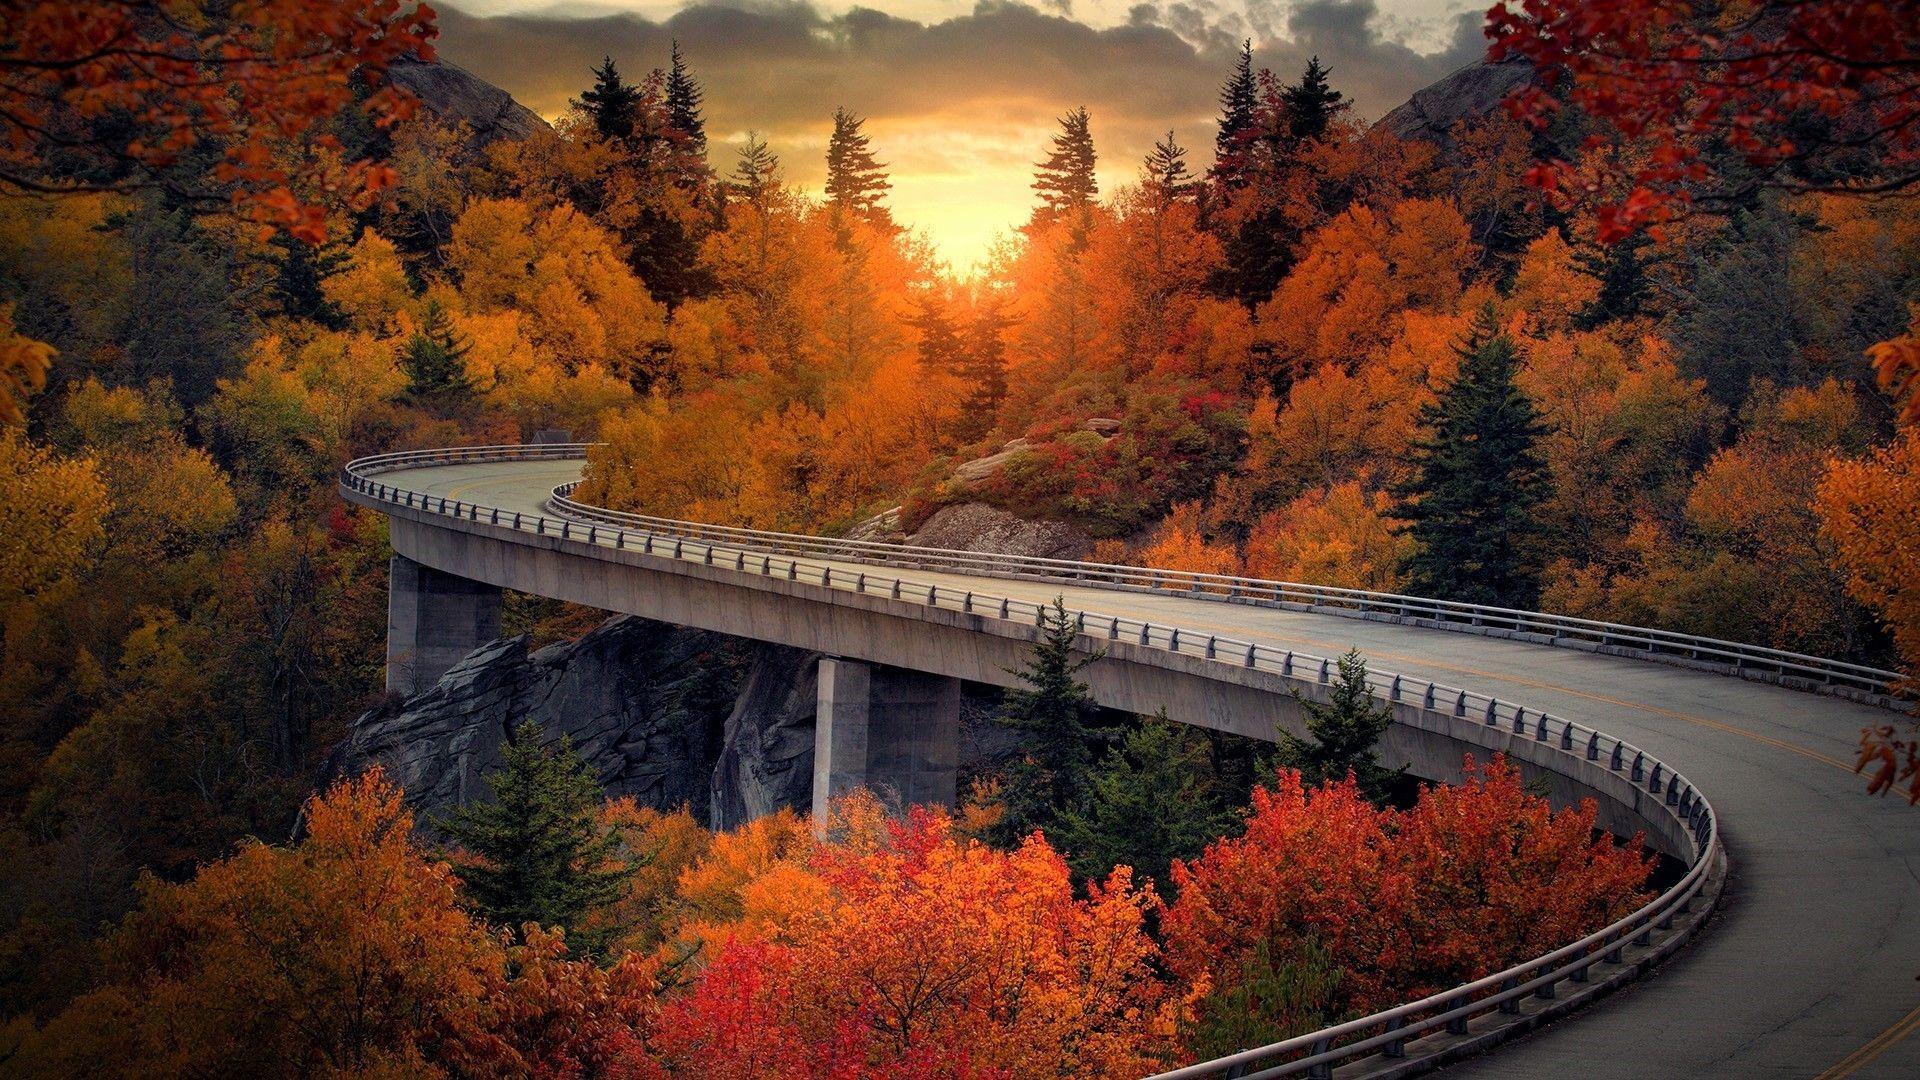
1808 967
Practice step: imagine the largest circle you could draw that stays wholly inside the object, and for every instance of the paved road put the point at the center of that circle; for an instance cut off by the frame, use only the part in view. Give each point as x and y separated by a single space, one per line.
1810 967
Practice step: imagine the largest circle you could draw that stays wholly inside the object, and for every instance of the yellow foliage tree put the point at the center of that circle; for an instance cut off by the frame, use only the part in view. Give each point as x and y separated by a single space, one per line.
565 275
23 368
372 289
1344 536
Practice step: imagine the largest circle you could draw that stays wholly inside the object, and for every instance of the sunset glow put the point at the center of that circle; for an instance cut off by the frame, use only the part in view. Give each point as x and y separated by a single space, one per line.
960 99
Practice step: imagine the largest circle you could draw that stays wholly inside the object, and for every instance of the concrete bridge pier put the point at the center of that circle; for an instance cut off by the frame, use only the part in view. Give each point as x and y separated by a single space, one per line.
894 731
434 619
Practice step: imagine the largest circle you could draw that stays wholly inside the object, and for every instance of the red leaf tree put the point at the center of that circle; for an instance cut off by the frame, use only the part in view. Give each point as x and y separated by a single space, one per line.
210 101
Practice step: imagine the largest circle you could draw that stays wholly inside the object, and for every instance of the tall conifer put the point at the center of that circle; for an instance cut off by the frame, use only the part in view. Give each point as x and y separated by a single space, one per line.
1312 103
1164 173
1054 715
1065 180
855 181
1477 481
612 104
684 97
543 855
1239 96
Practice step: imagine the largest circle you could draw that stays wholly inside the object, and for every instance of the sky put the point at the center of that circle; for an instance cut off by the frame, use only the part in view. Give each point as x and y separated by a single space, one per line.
961 99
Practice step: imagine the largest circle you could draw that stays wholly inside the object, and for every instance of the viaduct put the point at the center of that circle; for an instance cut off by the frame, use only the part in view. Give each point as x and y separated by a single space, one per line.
1734 760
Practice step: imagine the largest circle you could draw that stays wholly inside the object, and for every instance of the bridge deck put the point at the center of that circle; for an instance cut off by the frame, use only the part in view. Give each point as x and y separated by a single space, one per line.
1811 964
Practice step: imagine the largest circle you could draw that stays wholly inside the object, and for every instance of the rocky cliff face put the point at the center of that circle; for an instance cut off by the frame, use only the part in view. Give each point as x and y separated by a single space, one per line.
455 94
1468 94
645 703
766 747
667 715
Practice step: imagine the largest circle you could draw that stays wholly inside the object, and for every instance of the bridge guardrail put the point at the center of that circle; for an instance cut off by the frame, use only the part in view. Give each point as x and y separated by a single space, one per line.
1744 659
1385 1033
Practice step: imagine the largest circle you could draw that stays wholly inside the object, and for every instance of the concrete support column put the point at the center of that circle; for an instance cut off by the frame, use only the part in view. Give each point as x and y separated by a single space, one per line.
893 731
434 619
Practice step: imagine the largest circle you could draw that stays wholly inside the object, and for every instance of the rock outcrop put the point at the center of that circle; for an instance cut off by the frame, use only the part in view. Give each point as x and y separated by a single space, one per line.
979 527
1468 94
455 94
766 748
644 703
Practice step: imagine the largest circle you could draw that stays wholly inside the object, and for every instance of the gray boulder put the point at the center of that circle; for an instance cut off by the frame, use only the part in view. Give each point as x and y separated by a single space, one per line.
979 527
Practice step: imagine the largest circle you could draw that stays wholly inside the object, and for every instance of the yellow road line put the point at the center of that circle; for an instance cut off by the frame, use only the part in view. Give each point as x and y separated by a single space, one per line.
1871 1052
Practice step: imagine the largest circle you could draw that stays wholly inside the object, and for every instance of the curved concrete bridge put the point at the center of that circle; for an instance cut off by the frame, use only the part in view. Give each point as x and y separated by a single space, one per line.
1809 964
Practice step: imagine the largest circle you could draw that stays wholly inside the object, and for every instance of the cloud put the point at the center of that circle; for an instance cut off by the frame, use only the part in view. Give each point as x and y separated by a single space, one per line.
992 81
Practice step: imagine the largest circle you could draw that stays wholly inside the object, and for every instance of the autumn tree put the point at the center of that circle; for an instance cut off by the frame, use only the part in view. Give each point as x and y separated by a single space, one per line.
537 852
200 102
23 369
344 953
1803 97
1342 734
1401 902
1868 509
928 955
1065 180
1715 108
1477 481
1053 713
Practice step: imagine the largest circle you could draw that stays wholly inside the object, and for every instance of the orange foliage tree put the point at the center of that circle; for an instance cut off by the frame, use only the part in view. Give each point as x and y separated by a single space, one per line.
1807 95
345 955
931 955
117 94
1870 509
1406 903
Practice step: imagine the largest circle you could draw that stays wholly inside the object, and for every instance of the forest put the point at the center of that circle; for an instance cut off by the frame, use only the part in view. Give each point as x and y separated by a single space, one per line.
1589 354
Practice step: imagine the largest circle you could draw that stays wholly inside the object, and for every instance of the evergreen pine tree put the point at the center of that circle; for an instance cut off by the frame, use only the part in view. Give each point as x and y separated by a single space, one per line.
1054 715
684 97
1341 734
1239 95
1151 801
985 371
1625 287
1286 988
298 277
613 106
940 346
855 181
434 359
1312 103
542 854
757 172
1065 180
1477 481
1164 173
